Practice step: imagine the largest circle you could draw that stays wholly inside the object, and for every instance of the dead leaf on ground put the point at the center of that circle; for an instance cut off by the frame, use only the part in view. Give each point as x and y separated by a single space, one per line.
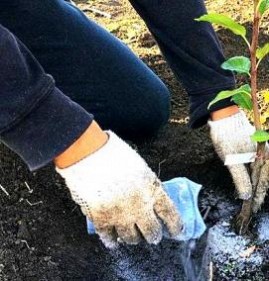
248 252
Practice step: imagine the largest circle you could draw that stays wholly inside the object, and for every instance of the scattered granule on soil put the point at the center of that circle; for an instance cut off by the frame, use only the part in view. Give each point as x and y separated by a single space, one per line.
233 255
263 228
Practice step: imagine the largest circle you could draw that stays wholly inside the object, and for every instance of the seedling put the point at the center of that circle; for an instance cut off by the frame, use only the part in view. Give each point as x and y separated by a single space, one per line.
246 96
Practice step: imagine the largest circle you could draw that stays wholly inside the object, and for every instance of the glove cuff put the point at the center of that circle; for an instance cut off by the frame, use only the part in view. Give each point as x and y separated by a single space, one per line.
114 143
101 175
115 157
238 121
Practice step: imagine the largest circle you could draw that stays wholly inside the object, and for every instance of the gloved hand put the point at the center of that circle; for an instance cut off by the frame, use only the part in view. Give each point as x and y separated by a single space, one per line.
231 135
121 195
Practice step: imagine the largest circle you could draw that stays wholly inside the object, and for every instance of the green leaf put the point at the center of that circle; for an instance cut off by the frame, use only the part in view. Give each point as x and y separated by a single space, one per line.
243 100
245 89
260 136
240 64
264 6
226 22
262 52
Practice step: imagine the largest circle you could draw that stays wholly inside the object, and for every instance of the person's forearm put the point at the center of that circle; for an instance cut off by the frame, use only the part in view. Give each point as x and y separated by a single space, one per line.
37 121
89 142
224 112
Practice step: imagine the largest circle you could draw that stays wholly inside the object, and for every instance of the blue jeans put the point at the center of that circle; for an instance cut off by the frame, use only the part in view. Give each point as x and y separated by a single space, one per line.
102 75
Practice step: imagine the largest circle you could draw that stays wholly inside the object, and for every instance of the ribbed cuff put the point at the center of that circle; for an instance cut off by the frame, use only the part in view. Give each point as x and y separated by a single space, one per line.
48 130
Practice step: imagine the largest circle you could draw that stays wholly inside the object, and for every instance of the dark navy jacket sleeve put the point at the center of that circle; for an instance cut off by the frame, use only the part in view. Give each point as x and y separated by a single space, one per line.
37 121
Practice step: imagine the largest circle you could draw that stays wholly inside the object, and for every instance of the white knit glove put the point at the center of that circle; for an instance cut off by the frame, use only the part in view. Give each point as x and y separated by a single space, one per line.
231 135
121 195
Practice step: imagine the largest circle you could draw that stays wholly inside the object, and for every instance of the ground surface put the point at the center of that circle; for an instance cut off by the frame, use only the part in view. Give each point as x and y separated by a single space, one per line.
43 234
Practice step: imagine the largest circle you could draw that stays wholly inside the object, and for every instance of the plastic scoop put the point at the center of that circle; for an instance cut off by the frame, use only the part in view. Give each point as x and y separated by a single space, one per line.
184 193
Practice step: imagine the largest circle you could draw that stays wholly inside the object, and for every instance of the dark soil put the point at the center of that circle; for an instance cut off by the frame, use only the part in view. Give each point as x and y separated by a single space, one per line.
43 233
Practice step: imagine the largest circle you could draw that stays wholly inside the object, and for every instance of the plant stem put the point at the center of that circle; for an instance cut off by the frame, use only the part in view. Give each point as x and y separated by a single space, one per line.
244 217
253 50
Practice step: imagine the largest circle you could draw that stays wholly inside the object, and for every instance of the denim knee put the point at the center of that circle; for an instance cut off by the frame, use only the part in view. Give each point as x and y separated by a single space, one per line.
148 117
160 115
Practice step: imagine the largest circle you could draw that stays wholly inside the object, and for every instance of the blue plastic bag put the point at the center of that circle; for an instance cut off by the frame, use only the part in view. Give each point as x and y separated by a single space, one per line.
184 193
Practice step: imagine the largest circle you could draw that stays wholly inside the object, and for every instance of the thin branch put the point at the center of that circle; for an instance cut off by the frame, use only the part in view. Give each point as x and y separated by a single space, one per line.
26 243
211 271
4 190
28 187
33 204
175 102
253 50
206 213
98 12
159 171
29 203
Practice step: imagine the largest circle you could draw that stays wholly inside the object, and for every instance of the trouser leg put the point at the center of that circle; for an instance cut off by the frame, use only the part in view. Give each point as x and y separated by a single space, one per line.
191 48
90 65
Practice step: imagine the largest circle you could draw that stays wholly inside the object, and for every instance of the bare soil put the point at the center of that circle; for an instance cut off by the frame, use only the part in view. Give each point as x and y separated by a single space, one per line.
43 233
